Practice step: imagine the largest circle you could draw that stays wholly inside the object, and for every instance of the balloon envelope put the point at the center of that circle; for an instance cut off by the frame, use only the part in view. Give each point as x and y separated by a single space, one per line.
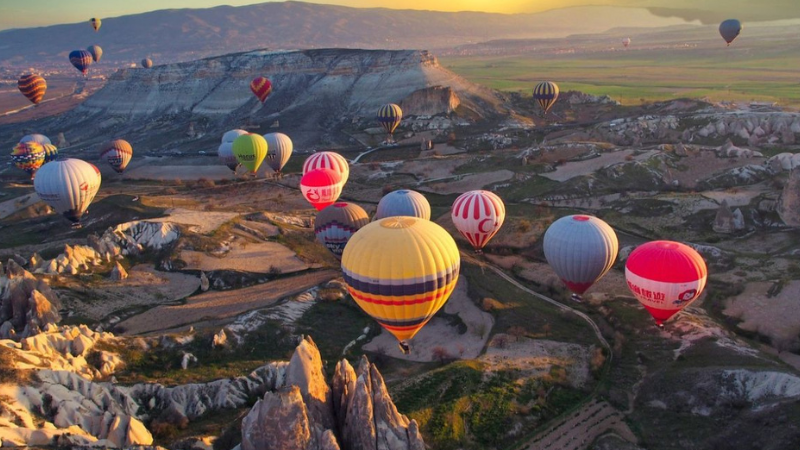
250 150
36 137
328 160
546 93
225 150
478 215
117 153
665 277
261 87
389 116
403 202
28 156
96 52
321 187
147 63
81 59
50 153
279 150
626 42
580 249
32 86
730 29
336 224
401 271
69 186
95 23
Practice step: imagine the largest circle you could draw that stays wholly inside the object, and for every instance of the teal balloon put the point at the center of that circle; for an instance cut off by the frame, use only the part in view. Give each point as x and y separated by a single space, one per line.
403 202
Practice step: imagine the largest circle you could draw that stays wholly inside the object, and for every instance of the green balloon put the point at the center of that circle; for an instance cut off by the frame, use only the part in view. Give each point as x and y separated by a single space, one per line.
250 150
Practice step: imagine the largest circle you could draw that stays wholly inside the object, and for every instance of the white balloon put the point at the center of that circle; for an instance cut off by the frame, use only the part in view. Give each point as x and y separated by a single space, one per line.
68 185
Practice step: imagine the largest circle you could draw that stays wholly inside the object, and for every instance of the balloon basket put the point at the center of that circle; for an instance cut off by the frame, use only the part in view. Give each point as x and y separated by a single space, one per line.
76 226
576 298
404 347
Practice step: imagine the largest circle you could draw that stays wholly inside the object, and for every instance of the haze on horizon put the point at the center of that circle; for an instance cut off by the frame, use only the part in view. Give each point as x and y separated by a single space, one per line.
32 13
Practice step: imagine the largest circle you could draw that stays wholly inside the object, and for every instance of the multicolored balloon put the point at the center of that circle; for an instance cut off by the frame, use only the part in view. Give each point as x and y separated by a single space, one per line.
81 59
328 160
68 186
96 52
389 116
225 150
336 224
478 215
117 153
33 87
580 249
403 202
665 277
250 150
50 153
321 187
279 150
730 29
95 23
261 87
401 271
28 156
147 63
546 93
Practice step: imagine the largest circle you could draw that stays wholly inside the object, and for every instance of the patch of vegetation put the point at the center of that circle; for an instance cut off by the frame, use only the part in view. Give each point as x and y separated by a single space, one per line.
535 186
8 373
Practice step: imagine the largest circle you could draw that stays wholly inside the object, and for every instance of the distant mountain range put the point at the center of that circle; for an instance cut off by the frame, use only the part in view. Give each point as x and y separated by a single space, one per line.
187 34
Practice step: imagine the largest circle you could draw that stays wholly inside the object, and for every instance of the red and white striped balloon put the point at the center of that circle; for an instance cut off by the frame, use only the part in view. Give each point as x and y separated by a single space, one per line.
665 277
478 215
321 187
328 160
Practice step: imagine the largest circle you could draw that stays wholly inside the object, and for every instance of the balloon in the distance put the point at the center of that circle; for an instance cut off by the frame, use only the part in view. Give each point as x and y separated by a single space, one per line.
389 116
321 187
33 87
546 93
730 29
403 202
81 59
96 52
401 271
328 160
665 277
68 186
279 150
147 63
36 137
250 150
626 42
580 249
28 156
336 224
478 215
117 153
261 87
95 23
50 153
225 150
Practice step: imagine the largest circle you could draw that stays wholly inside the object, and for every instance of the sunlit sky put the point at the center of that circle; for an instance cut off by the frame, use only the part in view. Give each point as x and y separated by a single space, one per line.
28 13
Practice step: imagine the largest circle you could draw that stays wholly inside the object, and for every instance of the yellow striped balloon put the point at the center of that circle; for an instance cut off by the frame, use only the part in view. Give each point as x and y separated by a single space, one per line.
546 93
401 271
390 116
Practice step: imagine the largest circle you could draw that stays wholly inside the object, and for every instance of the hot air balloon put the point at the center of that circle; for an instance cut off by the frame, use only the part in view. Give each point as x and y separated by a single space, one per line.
730 29
478 215
225 151
626 42
546 93
117 153
81 59
665 277
69 186
28 156
250 150
279 149
328 160
96 52
401 271
261 87
337 223
321 187
580 249
50 153
403 202
147 63
95 23
33 87
36 137
389 116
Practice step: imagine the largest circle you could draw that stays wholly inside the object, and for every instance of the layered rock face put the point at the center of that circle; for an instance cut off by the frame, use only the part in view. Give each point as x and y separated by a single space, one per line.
789 205
355 413
27 305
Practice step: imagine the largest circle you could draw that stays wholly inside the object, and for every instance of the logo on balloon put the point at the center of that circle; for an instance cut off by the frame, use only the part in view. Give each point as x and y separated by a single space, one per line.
685 296
313 195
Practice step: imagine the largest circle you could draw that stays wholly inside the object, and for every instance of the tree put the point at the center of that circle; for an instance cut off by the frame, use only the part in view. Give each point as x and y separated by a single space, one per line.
441 354
546 329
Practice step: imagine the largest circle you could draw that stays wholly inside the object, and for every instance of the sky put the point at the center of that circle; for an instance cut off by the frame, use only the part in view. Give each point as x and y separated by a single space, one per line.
28 13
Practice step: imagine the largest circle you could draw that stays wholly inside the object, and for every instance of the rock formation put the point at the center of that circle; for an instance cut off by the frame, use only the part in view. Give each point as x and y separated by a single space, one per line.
204 283
27 305
728 221
430 101
118 273
789 204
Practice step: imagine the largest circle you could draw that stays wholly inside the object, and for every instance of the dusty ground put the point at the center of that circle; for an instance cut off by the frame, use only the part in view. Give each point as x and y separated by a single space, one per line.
701 164
468 182
246 257
580 168
144 286
582 427
172 173
202 222
438 333
223 304
777 317
13 205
